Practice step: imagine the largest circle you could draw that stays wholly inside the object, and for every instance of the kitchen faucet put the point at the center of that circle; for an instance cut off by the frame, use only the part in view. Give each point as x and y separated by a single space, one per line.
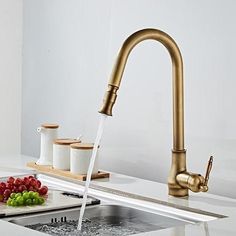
179 180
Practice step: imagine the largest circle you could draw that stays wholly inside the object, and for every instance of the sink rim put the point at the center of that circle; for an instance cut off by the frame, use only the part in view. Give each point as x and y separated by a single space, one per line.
110 195
146 209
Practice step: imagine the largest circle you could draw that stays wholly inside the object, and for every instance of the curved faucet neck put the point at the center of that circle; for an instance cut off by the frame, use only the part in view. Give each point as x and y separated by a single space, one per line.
177 70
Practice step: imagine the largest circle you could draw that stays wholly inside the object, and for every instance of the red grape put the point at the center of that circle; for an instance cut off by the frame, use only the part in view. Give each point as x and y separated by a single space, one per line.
33 182
11 180
1 197
22 188
9 186
15 189
43 190
30 188
7 193
38 183
3 185
18 182
26 181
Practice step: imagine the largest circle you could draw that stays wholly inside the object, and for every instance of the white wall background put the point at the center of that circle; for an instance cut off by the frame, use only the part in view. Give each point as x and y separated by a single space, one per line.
69 50
10 76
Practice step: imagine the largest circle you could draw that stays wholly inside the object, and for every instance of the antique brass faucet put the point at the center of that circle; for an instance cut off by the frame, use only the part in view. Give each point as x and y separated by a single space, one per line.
179 180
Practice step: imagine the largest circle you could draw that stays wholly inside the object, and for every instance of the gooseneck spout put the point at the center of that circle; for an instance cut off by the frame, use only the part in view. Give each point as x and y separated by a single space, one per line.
177 67
176 187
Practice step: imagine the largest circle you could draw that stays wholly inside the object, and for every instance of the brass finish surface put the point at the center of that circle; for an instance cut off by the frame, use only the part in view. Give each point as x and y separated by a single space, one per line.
208 171
179 180
178 165
191 181
109 100
177 68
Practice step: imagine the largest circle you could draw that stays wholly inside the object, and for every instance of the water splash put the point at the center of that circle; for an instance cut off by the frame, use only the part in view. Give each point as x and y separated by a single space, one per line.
94 227
90 169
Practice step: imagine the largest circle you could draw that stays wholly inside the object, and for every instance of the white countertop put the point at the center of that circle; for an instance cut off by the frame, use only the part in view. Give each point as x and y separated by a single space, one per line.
201 201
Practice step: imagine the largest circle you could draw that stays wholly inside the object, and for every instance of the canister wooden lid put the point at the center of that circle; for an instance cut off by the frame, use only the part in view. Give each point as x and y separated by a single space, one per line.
66 141
50 126
85 146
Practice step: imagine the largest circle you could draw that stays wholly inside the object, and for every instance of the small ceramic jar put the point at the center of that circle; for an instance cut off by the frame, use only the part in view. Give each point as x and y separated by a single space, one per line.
48 135
80 156
61 153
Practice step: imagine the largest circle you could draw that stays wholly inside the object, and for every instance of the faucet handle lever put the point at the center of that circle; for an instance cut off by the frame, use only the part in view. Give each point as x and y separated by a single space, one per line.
209 167
204 186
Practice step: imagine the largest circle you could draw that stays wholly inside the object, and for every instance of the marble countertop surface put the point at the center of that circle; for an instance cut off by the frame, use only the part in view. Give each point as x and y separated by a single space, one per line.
148 189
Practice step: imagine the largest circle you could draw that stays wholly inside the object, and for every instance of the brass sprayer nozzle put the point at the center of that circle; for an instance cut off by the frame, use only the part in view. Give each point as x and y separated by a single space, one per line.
109 100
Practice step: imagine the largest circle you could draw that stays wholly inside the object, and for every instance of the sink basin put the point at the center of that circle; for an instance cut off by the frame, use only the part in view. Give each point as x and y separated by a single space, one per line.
105 219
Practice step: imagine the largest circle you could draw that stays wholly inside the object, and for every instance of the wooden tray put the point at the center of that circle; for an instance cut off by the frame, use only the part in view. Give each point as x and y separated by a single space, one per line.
65 173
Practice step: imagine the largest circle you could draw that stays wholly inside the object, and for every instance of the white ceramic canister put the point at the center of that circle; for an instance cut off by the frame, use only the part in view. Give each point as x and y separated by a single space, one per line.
61 153
80 156
48 135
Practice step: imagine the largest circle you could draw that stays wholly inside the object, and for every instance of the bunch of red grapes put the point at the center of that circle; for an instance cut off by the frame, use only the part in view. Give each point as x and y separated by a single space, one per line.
20 185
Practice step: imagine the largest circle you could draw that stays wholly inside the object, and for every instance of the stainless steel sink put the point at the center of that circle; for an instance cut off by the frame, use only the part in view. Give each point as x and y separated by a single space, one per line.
116 216
110 219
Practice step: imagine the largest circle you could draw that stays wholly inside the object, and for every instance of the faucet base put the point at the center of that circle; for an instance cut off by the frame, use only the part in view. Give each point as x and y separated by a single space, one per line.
178 166
178 192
